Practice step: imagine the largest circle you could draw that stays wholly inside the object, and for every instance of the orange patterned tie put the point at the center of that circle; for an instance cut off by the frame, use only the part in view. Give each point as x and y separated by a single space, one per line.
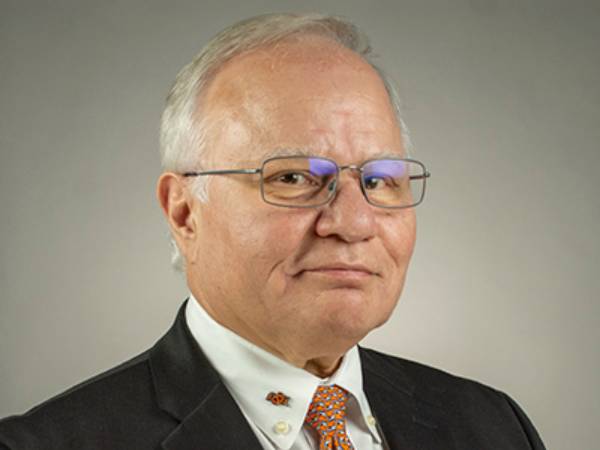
327 415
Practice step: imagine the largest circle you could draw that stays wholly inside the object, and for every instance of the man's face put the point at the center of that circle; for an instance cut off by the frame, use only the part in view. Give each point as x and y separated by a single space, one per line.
309 282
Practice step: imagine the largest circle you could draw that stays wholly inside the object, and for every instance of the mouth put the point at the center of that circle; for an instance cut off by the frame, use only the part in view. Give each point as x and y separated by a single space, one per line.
340 272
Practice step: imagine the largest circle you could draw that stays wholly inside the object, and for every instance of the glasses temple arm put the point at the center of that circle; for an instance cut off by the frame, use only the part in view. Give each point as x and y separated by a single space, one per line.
419 177
221 172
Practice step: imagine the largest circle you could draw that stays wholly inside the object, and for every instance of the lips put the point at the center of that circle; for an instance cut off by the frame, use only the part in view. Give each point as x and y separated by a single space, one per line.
339 269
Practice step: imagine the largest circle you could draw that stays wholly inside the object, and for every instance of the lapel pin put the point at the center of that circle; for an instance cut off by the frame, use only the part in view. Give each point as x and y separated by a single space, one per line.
278 398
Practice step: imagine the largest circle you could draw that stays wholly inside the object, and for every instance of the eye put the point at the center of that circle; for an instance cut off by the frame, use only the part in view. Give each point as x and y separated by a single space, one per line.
293 178
375 183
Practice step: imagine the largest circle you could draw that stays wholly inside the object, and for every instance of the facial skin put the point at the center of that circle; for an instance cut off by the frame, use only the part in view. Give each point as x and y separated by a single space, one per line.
304 284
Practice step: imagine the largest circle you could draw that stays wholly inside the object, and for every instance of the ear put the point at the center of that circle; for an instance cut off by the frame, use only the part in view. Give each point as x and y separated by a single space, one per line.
177 204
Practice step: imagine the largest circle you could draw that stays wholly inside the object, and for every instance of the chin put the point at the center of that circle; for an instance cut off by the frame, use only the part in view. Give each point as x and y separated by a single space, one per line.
354 320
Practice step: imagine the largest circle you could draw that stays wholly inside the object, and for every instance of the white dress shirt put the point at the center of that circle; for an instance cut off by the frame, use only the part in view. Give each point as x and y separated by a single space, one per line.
251 373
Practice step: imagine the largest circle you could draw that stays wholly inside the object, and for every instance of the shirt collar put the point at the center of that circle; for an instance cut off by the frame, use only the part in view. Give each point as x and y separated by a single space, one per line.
251 373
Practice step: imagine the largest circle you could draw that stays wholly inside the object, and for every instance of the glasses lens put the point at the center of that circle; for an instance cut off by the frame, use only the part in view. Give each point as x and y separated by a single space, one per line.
298 181
394 183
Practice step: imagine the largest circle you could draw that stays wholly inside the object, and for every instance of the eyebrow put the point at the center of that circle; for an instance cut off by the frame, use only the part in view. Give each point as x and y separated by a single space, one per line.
283 151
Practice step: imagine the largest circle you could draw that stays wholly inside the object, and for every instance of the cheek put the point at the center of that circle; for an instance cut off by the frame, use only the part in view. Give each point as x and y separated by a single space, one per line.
281 233
260 239
266 248
399 235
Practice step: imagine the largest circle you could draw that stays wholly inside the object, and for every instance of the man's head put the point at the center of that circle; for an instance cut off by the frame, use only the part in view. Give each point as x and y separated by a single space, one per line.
303 283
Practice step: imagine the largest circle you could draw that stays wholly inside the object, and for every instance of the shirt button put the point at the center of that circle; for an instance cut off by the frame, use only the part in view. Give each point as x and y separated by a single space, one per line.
281 427
371 420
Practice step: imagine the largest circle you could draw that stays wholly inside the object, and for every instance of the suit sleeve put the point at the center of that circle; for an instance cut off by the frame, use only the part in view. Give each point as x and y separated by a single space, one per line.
535 441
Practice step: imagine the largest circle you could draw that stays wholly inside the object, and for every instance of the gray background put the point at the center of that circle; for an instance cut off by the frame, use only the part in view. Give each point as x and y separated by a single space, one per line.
503 101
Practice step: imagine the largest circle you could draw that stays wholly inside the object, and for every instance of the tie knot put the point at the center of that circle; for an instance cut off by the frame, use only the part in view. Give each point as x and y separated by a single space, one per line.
327 410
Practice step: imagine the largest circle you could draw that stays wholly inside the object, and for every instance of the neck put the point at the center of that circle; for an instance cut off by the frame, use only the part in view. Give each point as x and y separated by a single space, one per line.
323 367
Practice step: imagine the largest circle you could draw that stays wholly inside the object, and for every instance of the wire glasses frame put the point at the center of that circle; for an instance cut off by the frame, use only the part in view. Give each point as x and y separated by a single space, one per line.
309 182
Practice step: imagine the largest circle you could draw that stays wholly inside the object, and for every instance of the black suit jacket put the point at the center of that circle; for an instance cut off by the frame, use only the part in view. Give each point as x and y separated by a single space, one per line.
171 398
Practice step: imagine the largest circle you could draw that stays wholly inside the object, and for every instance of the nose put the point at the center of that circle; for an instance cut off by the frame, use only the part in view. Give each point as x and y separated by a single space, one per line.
348 216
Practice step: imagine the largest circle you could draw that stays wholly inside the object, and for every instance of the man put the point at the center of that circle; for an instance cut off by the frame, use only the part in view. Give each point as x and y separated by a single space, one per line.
290 196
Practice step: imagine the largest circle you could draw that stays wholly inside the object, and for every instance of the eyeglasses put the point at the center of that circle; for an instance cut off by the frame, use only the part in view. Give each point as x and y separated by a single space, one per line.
308 181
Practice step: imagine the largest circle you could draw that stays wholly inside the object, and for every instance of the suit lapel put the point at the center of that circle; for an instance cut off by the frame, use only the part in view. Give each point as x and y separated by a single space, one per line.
408 419
190 390
216 424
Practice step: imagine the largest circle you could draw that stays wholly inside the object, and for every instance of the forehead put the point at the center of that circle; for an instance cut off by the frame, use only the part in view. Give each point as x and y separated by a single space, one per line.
306 95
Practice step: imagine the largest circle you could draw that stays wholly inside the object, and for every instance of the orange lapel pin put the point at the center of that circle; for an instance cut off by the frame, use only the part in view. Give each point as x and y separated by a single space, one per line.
278 398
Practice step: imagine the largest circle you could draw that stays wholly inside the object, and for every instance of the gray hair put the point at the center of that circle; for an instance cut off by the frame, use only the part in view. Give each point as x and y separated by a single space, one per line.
182 134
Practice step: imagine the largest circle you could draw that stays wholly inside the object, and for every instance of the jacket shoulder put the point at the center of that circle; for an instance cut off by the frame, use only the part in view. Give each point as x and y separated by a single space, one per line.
474 409
421 379
92 406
